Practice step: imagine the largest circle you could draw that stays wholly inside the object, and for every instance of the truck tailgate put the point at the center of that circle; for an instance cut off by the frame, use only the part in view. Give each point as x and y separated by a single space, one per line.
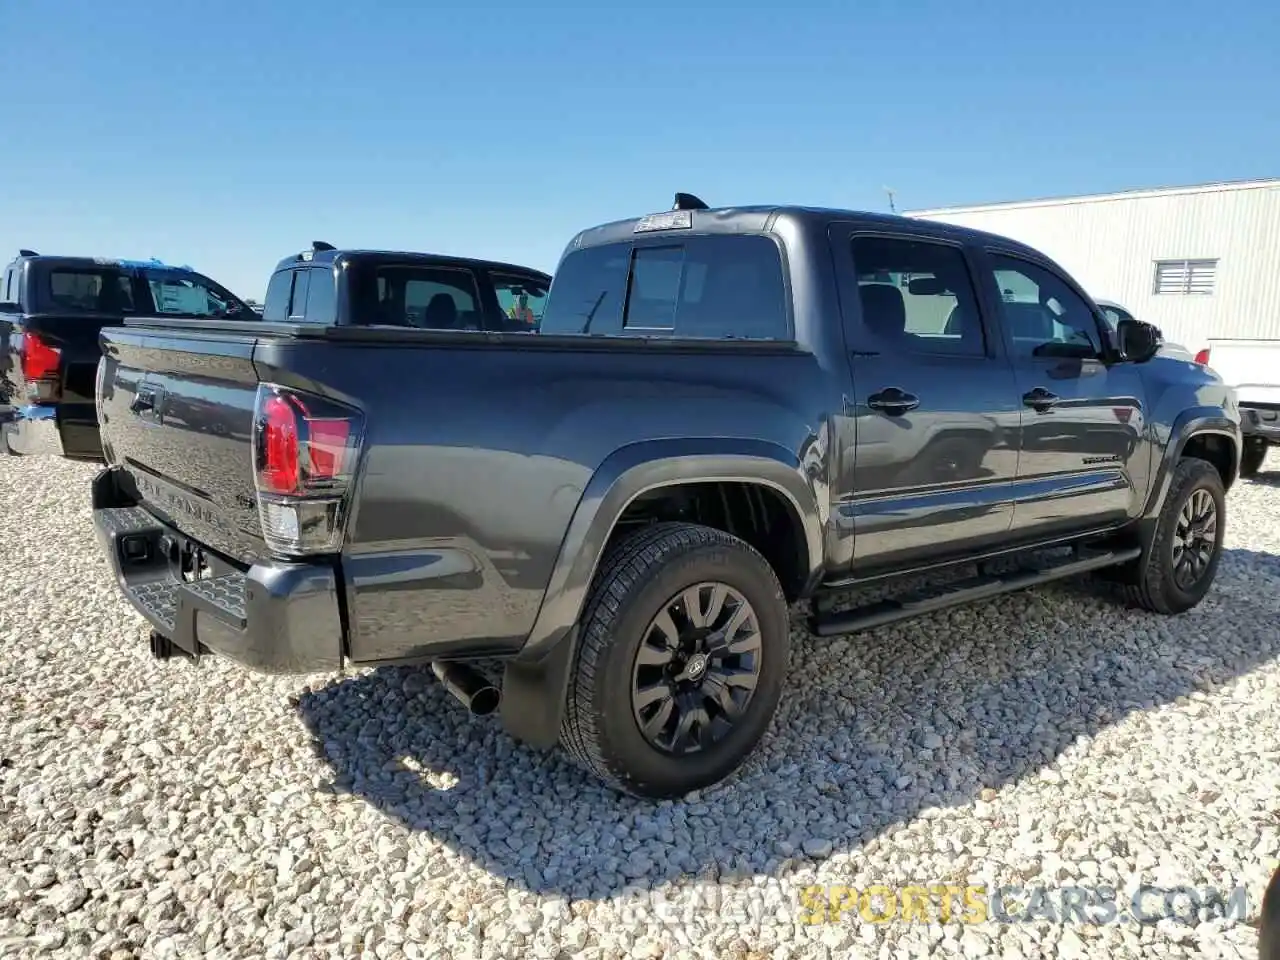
1251 366
176 411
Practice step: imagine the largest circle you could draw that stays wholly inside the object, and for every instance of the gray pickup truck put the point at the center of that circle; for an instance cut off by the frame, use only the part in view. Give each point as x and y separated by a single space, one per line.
718 414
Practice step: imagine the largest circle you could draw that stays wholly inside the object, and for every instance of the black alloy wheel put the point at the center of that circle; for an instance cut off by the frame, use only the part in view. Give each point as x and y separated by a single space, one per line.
696 668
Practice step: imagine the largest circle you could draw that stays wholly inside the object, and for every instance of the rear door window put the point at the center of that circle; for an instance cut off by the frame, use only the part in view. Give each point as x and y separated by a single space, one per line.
89 290
917 296
725 287
425 297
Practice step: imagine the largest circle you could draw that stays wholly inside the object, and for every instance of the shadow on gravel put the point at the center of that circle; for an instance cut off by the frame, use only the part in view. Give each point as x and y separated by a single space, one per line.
1265 479
872 730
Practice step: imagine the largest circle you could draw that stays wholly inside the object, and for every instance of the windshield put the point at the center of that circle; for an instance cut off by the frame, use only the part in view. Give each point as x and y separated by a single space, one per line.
186 293
521 300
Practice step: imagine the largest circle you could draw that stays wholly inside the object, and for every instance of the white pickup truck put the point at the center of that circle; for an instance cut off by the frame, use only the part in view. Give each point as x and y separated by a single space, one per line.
1252 367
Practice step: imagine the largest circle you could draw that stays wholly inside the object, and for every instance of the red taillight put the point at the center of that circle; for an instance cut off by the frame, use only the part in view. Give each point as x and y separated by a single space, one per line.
1202 357
39 359
305 450
328 446
278 466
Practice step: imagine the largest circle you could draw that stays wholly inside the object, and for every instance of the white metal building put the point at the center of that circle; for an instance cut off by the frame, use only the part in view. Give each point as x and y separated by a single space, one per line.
1199 262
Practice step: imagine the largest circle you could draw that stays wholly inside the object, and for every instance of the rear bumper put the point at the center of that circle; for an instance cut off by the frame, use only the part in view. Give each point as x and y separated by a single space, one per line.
273 618
1260 422
31 431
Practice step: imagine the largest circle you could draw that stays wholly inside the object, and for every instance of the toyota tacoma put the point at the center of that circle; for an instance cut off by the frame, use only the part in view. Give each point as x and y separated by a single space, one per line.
720 415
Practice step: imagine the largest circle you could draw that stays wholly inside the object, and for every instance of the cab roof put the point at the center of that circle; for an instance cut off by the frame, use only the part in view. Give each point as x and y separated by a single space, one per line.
321 253
122 263
766 218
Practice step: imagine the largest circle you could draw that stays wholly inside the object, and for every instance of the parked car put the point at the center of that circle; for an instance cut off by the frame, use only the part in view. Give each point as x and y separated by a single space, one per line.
623 505
1114 313
51 311
1252 367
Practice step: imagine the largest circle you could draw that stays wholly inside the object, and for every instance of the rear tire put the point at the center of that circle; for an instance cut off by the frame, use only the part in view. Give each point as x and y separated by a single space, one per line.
1178 569
621 685
1251 458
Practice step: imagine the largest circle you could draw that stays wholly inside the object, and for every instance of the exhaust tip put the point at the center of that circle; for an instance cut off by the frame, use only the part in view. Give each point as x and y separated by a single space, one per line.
469 687
485 700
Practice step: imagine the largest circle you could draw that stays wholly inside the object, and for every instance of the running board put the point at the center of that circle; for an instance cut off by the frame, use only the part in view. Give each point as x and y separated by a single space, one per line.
928 600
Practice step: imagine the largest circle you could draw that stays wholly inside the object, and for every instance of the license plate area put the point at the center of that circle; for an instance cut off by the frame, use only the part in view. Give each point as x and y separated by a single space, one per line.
188 561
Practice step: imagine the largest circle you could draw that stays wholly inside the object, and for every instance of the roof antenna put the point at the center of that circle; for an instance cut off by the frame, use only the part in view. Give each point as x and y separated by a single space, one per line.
27 253
687 201
321 245
890 191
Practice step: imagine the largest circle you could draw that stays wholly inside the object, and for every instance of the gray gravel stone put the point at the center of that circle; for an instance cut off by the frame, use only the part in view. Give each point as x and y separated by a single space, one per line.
1051 736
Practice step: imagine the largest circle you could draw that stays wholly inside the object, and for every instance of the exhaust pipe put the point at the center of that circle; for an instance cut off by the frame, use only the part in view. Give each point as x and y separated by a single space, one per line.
471 688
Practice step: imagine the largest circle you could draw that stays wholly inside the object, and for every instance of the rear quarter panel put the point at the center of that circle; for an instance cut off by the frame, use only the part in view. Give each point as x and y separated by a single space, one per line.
476 460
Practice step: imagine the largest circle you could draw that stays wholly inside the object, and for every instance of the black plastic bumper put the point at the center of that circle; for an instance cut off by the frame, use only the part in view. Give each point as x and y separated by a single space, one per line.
273 618
1260 422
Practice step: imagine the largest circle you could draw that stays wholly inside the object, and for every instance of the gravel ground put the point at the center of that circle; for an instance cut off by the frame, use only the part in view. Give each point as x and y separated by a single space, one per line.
1046 739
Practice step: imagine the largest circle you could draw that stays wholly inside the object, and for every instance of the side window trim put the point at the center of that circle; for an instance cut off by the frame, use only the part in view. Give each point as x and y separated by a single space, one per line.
990 251
841 236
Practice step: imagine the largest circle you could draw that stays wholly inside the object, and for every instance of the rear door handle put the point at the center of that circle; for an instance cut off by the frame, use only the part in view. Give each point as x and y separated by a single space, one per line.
893 401
1040 399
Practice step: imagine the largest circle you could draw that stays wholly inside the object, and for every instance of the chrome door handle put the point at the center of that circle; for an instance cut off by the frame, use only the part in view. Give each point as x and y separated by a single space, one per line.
1040 399
893 401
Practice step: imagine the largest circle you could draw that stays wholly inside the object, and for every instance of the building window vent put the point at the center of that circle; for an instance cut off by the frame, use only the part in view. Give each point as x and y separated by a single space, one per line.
1185 276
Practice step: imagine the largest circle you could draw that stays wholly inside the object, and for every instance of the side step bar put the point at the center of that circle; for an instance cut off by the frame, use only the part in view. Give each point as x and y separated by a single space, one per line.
929 600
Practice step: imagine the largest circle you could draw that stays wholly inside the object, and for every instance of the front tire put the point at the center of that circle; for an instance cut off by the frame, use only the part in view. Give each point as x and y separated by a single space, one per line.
682 652
1179 567
1251 458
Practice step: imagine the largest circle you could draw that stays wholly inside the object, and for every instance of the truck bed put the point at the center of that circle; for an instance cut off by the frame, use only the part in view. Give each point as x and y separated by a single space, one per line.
478 448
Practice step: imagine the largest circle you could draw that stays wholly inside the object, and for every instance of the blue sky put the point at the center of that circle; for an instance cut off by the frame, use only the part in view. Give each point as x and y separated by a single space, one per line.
228 136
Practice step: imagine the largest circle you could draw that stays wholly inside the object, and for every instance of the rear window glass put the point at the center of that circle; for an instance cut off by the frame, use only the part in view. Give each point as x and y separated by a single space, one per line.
275 306
90 291
321 297
728 287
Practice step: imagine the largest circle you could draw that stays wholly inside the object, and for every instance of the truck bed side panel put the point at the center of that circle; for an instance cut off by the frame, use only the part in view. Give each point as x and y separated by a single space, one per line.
476 459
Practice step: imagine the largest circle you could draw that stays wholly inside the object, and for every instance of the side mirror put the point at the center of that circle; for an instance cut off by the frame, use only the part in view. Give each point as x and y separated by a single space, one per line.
1138 342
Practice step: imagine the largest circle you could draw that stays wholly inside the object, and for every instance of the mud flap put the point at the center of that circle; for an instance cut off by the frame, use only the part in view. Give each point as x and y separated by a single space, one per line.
533 694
